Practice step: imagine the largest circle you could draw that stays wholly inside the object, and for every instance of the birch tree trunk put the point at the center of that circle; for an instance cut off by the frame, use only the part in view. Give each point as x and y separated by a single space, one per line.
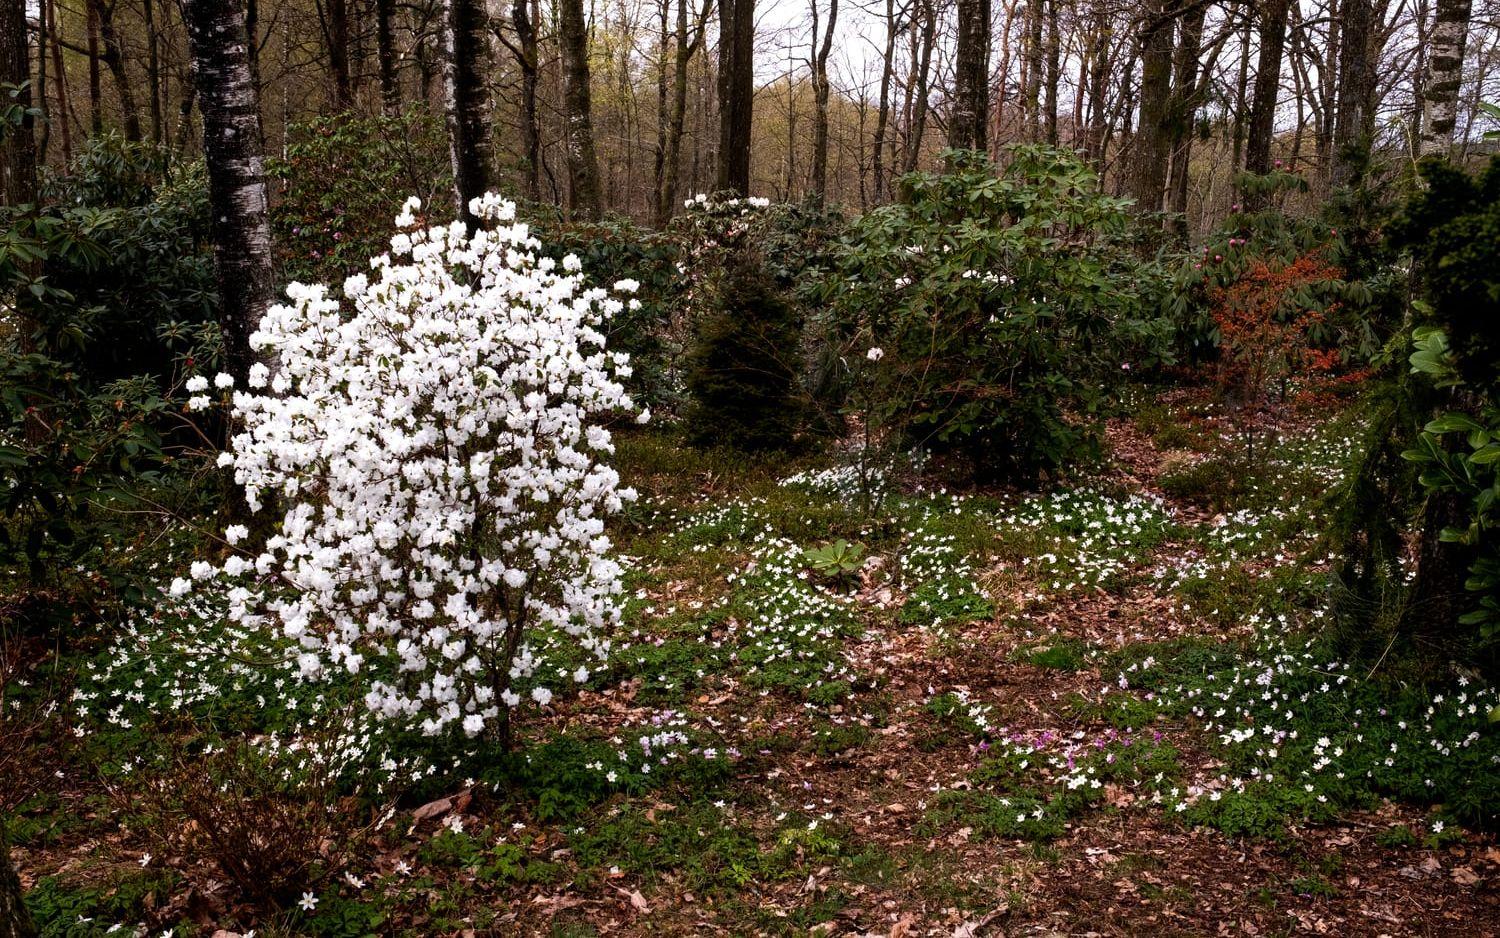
583 163
465 25
236 180
1445 67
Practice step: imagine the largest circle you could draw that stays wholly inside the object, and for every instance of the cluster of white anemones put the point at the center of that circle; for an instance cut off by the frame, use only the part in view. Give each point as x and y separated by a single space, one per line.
431 441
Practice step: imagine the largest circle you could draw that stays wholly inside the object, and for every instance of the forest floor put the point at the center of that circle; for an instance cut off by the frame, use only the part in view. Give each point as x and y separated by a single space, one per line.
1020 715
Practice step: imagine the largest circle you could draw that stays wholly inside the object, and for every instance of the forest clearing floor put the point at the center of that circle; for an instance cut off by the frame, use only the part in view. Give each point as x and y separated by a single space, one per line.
1104 708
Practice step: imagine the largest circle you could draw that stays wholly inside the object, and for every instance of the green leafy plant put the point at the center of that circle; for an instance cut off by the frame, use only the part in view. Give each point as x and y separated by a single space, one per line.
837 560
995 306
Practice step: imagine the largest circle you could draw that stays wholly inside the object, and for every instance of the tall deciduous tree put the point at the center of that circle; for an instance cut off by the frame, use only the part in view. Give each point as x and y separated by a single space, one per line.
1273 20
821 92
736 92
467 100
17 142
883 108
114 60
236 180
968 122
583 162
1152 147
688 40
1445 65
1354 119
385 55
527 52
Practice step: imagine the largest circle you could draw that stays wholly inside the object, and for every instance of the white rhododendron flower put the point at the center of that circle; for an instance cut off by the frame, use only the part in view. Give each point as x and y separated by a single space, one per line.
431 443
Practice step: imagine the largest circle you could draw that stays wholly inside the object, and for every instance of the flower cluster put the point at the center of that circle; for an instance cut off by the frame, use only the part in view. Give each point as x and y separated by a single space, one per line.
431 441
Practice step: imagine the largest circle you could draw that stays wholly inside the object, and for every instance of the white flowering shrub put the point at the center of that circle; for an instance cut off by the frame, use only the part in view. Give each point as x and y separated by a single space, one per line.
431 442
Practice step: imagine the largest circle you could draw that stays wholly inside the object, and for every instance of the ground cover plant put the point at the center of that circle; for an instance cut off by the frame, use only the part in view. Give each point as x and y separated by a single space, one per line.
894 613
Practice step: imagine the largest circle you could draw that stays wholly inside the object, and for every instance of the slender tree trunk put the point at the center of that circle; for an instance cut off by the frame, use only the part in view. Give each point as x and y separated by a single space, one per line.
385 56
525 51
96 89
687 45
583 163
236 180
1267 85
883 110
927 39
736 92
153 70
1445 65
659 210
113 60
465 26
1152 144
44 135
1241 95
1184 112
1032 80
820 101
60 83
1052 74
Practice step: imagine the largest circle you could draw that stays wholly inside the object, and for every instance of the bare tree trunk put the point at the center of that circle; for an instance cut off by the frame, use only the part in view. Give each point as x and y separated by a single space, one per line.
17 144
1267 85
1445 66
1052 74
1354 117
525 52
336 37
1185 95
1032 82
1241 96
820 100
236 181
153 70
465 26
736 93
583 163
926 41
1152 149
113 60
60 82
883 110
686 47
96 91
44 135
968 124
385 56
